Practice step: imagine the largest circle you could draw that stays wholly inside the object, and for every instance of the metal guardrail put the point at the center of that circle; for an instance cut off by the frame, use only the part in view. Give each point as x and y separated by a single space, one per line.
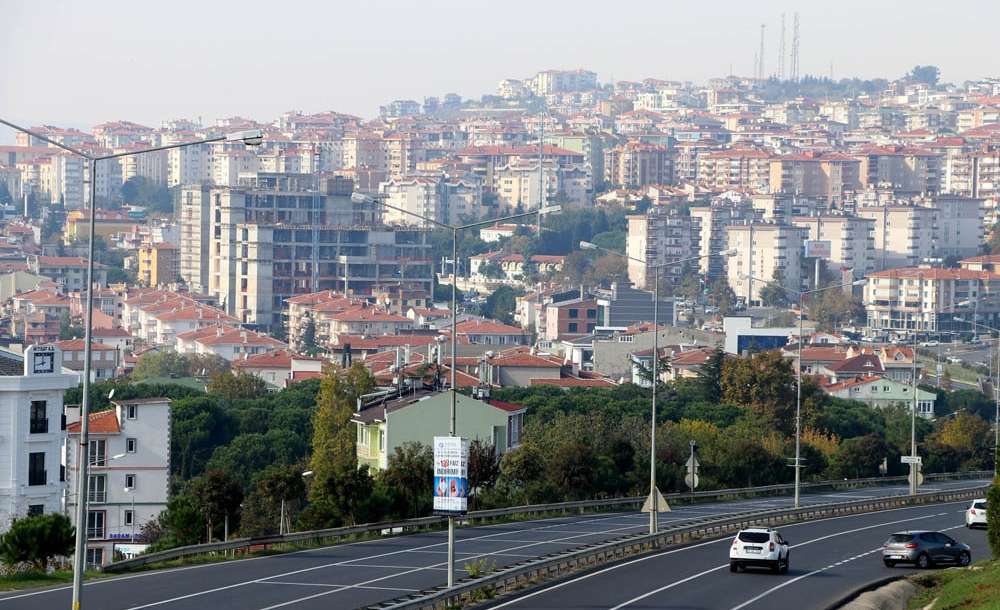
531 572
394 527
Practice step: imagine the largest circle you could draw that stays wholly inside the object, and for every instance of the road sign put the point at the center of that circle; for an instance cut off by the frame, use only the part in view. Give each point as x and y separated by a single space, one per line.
691 480
911 459
693 463
661 503
920 478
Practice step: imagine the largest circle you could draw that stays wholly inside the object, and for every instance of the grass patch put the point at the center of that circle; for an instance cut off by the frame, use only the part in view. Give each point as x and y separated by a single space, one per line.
973 588
33 580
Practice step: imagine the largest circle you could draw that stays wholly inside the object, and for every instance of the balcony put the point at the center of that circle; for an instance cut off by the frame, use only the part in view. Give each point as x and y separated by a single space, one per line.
37 477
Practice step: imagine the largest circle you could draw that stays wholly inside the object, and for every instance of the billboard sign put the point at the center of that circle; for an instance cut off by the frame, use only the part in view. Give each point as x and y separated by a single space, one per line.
818 248
451 474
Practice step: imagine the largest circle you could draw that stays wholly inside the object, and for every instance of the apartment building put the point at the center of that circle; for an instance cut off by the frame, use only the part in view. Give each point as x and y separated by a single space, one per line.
128 470
103 358
517 186
158 264
70 272
636 164
925 299
195 219
976 174
32 385
825 176
570 319
289 235
904 234
446 200
708 229
591 145
905 168
735 169
189 165
559 81
659 237
959 226
227 342
763 251
851 238
158 316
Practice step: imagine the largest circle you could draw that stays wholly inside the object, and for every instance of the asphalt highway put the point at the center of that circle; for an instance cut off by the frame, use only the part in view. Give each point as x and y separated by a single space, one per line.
829 559
363 573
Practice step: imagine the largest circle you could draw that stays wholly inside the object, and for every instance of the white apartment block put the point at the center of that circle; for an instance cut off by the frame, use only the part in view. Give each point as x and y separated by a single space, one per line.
63 178
904 234
959 229
659 237
129 471
227 165
446 200
852 240
189 165
31 394
195 222
517 186
925 299
761 251
708 227
152 166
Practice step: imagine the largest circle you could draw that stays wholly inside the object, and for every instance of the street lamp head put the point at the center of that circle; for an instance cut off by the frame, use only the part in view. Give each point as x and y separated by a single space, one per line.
357 197
307 473
731 252
965 303
118 456
859 282
250 137
586 245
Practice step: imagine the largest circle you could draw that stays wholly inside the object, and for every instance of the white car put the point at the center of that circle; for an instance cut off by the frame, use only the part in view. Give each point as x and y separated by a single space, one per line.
976 515
759 547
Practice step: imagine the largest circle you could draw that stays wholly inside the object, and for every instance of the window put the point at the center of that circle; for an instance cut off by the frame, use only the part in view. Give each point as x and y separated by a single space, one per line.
97 452
129 517
95 524
591 313
381 440
36 468
130 445
362 437
35 509
130 481
131 411
39 423
97 490
95 557
572 327
574 313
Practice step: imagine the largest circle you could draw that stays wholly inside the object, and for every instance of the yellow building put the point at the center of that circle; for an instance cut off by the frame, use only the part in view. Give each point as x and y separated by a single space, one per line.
108 223
158 264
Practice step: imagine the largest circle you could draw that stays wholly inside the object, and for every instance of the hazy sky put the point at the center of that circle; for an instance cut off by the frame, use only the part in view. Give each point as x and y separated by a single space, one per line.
83 62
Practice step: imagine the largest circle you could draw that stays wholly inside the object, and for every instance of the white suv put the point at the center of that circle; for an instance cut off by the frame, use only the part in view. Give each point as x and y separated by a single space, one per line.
976 515
759 547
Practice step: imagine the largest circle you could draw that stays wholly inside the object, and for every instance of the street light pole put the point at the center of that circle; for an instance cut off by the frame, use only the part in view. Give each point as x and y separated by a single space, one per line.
913 421
653 492
250 137
798 373
453 407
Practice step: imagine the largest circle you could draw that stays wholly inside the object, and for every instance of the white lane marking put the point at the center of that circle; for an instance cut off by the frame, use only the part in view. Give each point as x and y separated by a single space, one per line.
348 562
798 578
316 584
819 571
380 579
795 546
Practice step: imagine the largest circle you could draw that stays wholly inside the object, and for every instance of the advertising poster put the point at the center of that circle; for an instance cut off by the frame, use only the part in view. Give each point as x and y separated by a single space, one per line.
451 474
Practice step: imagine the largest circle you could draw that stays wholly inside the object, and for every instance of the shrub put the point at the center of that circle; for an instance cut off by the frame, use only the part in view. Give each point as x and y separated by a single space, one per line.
993 517
37 540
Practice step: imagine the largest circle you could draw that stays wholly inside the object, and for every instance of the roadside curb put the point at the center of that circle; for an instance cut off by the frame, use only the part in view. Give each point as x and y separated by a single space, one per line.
846 601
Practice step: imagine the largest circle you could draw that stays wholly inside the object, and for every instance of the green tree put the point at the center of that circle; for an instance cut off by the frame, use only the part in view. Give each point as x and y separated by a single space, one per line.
5 196
142 191
37 540
339 489
409 480
182 521
262 506
247 455
861 457
206 365
993 517
764 383
492 270
502 303
722 296
218 496
484 468
309 345
166 363
925 74
69 330
709 378
771 293
241 385
197 426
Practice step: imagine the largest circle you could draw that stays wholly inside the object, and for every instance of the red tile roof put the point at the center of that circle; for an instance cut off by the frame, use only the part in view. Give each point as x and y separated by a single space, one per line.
102 422
935 274
78 345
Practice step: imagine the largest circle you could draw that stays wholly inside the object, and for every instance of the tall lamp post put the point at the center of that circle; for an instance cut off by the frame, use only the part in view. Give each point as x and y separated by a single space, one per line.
362 198
798 372
252 137
653 492
996 391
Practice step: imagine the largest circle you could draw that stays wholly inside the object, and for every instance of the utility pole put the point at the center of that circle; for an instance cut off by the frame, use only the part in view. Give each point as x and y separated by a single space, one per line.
760 54
795 48
781 50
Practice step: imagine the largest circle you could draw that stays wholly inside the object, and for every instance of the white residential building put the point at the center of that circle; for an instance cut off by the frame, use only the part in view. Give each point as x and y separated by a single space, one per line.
660 236
31 403
129 472
852 240
189 165
446 200
763 251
